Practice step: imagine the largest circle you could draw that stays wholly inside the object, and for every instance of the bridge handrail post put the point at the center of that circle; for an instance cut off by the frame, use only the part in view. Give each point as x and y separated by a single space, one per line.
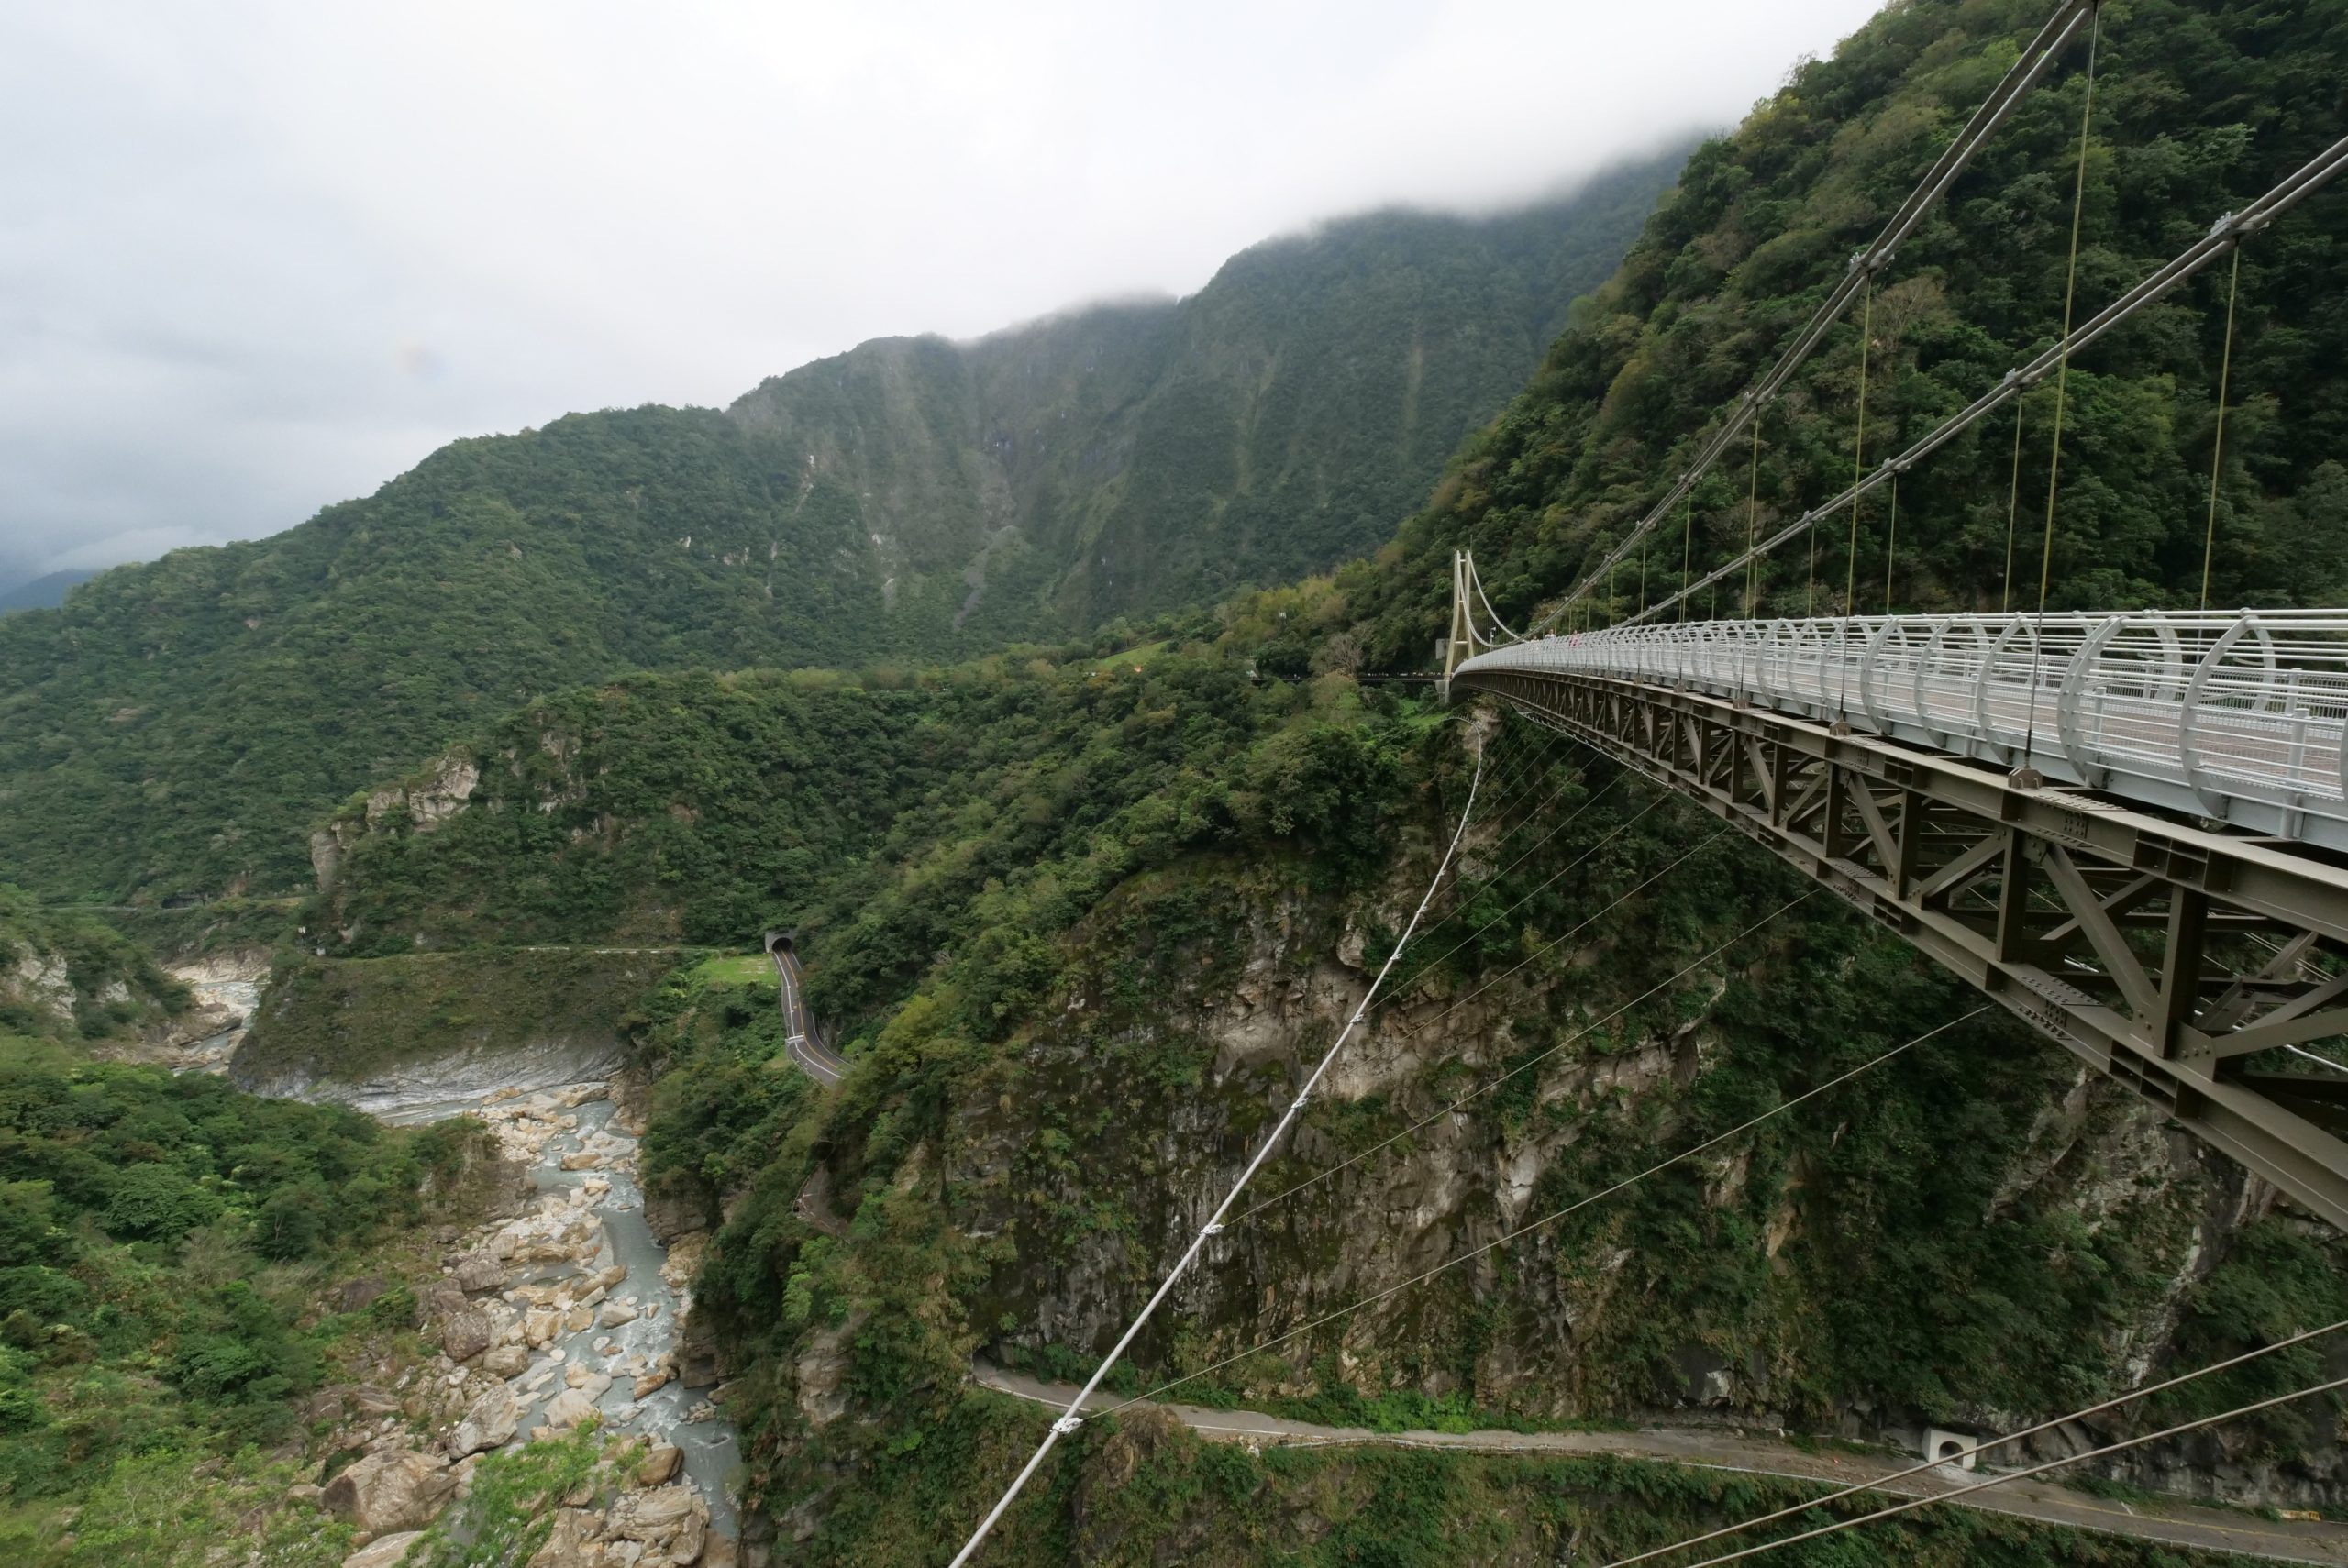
2188 712
1870 666
1931 650
2076 674
1983 725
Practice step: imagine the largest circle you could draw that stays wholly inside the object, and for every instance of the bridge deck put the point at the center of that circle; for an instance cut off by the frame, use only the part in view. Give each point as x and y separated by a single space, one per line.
2197 965
2234 717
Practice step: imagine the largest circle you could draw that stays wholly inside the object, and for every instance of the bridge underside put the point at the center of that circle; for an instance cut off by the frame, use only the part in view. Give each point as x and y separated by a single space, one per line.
2182 962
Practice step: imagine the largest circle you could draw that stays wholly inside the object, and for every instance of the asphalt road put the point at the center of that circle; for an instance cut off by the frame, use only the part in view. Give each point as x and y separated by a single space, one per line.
815 1058
2168 1524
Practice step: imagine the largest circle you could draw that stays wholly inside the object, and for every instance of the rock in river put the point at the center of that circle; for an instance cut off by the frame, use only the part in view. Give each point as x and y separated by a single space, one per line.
491 1422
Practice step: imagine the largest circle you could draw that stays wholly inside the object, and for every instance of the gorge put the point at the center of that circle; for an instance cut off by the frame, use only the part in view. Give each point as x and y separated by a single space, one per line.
401 1132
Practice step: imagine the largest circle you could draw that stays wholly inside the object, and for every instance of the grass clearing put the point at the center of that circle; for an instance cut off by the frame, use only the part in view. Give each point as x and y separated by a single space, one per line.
731 969
1134 658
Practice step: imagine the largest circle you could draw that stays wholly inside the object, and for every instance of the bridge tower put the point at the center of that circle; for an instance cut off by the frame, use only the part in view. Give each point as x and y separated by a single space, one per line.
1460 643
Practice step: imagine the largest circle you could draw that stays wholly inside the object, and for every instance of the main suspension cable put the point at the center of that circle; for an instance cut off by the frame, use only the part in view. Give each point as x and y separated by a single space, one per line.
1072 1416
1880 1482
1552 1218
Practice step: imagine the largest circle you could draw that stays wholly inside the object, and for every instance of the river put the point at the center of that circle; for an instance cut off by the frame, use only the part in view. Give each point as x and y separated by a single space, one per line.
552 1127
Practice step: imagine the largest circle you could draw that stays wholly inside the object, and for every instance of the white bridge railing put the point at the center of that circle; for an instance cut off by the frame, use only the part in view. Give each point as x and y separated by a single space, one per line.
2236 716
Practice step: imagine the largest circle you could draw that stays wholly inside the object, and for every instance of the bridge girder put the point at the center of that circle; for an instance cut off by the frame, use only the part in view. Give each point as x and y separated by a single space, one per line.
2178 960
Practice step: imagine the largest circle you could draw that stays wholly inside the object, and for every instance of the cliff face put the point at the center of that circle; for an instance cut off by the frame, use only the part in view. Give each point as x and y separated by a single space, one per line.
1971 1234
1739 1283
396 1033
66 975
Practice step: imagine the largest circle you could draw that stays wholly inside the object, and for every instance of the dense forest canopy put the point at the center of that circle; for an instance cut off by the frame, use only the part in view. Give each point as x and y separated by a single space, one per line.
2198 108
140 1215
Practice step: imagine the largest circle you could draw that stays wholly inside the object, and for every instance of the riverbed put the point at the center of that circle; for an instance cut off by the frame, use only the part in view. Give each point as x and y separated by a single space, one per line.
606 1360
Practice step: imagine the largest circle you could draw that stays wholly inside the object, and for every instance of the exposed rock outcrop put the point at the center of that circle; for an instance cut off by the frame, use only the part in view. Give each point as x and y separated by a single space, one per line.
385 1492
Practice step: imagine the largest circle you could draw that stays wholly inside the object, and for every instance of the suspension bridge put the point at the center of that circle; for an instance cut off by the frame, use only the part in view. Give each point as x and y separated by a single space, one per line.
2131 830
2127 828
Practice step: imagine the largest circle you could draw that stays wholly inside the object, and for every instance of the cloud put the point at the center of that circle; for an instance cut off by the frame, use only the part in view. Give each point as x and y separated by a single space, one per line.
256 266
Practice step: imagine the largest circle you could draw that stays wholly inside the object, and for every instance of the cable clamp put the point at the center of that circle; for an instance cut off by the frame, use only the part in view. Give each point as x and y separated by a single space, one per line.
2224 226
1302 1100
1068 1424
1214 1228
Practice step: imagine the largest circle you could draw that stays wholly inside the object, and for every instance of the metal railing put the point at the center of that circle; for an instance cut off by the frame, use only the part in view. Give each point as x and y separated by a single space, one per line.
2236 716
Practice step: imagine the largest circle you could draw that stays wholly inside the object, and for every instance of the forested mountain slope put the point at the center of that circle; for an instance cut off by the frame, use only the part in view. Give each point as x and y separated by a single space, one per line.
2198 108
1149 457
1084 930
176 727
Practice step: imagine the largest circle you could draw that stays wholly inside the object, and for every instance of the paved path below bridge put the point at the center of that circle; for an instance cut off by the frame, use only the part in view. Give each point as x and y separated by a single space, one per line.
2170 1524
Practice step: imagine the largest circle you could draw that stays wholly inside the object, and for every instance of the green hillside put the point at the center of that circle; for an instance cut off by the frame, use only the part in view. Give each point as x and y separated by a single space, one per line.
175 729
1149 457
2198 109
1077 927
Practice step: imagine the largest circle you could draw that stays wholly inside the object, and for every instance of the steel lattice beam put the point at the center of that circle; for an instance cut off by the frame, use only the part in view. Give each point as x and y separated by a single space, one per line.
2161 954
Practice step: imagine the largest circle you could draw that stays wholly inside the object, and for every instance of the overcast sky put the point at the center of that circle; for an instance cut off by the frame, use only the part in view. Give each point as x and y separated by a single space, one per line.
258 257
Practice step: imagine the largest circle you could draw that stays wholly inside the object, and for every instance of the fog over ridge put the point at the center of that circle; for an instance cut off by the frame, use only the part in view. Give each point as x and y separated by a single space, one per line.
250 268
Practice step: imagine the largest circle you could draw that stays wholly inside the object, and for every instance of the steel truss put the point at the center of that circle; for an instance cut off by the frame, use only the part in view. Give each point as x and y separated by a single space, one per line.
2180 961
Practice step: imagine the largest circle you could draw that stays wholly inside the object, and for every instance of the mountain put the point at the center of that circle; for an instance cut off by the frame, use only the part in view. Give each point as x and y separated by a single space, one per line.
175 729
42 592
1148 456
2196 111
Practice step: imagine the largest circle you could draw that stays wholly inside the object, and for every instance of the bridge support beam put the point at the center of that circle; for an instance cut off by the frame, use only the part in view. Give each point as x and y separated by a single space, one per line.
2182 961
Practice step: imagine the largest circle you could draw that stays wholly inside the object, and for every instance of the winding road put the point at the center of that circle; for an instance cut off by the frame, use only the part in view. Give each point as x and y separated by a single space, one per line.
802 1039
2164 1523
